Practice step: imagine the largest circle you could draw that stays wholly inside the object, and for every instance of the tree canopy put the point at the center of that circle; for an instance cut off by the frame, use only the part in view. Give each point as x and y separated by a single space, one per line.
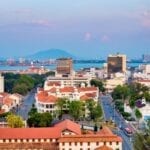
36 119
98 83
14 121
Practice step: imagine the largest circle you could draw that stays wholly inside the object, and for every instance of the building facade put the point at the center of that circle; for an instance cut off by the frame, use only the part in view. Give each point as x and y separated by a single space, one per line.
46 100
64 66
65 135
116 63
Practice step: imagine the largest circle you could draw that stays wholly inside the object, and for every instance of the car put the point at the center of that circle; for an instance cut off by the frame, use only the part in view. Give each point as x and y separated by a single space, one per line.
128 131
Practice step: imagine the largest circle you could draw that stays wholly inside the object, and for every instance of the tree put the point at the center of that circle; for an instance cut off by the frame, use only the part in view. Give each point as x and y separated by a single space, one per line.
39 119
75 109
98 83
20 88
132 103
95 110
121 92
14 121
138 115
61 104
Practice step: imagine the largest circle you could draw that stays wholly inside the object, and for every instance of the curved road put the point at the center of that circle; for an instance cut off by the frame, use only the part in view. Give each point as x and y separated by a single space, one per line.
111 113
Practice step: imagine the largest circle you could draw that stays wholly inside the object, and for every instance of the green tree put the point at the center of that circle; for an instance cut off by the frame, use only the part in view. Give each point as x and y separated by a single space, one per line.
98 83
132 103
14 121
61 105
20 88
95 110
39 119
121 92
75 109
138 115
97 114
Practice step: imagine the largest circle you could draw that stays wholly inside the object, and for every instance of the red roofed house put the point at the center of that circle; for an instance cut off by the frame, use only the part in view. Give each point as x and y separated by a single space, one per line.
65 135
46 99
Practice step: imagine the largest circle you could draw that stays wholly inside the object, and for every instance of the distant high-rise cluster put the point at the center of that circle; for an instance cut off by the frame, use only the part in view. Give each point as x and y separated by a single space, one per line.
64 66
116 63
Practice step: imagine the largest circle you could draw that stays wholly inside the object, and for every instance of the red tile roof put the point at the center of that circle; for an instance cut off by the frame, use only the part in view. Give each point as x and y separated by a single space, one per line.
88 96
105 131
90 138
104 147
67 89
52 90
83 89
45 98
69 125
30 133
53 83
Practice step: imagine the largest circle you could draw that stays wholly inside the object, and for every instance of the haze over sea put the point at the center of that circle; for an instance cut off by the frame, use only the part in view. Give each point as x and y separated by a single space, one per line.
76 66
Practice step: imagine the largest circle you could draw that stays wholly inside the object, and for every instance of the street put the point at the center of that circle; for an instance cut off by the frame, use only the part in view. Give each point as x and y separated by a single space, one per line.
110 113
26 105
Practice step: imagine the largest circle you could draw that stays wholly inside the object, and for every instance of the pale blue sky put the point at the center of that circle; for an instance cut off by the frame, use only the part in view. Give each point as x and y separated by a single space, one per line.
87 28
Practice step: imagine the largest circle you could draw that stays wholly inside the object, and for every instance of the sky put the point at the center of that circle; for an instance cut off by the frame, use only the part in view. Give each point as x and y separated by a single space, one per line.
85 28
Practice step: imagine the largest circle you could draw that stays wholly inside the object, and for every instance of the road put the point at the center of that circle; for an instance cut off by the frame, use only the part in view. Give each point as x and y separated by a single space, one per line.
111 113
26 105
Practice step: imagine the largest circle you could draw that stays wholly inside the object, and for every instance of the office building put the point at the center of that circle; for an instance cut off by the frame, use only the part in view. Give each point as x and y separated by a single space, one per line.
64 66
116 63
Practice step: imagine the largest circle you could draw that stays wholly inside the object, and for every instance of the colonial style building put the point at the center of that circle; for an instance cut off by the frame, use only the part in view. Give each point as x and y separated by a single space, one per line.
65 135
46 100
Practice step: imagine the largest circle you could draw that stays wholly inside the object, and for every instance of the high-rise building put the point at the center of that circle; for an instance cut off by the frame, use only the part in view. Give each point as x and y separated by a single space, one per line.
116 63
1 84
64 66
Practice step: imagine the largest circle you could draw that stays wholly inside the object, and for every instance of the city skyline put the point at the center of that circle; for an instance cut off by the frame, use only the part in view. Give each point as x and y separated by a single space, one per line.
88 28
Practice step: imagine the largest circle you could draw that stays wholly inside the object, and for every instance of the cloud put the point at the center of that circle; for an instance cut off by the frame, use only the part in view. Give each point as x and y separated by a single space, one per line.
105 38
145 18
42 22
23 11
87 36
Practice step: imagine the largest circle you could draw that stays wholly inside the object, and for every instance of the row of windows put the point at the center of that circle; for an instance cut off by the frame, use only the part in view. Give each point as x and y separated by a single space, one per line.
27 140
97 143
82 149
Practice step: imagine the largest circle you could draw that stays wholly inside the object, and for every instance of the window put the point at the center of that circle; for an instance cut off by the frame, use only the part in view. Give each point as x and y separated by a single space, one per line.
63 143
75 143
81 143
104 143
117 143
97 143
88 143
70 143
110 143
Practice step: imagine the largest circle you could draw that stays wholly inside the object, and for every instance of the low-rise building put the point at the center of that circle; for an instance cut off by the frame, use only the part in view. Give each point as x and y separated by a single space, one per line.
46 100
118 79
65 135
9 101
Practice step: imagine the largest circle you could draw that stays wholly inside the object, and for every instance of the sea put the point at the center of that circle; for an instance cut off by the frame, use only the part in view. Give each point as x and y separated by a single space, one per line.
76 66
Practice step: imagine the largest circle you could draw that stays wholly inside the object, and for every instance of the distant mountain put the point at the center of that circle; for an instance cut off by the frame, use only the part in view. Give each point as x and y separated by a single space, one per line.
50 54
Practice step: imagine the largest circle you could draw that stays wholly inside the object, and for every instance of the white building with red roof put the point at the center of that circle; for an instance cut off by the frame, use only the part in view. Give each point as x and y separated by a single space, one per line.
46 99
65 135
9 101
